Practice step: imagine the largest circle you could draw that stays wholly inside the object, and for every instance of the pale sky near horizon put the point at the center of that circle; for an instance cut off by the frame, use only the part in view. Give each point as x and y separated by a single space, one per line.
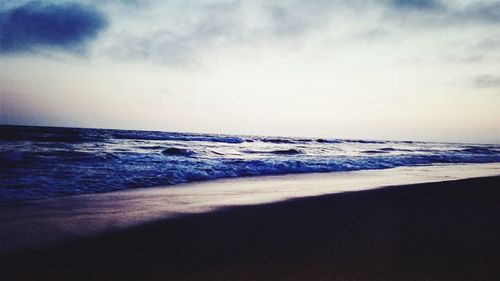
380 69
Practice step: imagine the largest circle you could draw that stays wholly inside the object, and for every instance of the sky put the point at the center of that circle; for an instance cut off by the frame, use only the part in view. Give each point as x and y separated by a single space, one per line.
379 69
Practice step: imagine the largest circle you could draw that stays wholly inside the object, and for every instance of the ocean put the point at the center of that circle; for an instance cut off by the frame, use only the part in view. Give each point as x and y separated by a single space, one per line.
44 162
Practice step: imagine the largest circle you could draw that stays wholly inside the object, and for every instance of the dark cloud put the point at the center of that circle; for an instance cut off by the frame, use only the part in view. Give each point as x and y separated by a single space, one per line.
416 4
482 11
487 81
28 27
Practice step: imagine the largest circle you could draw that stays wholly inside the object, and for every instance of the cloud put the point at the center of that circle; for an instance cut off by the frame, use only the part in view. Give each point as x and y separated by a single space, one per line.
35 25
440 13
416 4
487 81
482 11
287 22
488 43
177 35
168 38
181 33
296 18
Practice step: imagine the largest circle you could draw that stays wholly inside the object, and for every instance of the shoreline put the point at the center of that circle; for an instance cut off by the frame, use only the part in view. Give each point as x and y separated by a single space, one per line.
432 231
38 224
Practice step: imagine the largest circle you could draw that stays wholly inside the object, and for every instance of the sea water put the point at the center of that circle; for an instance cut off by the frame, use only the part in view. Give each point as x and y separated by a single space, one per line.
41 162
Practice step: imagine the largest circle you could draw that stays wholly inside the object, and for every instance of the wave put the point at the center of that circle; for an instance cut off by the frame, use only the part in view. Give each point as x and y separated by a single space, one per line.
277 140
479 150
38 160
365 141
71 136
290 151
153 147
328 141
229 168
287 152
46 162
374 151
175 151
32 180
175 137
217 153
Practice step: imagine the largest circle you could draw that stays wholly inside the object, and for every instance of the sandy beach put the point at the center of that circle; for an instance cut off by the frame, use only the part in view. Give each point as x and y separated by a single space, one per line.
433 231
36 224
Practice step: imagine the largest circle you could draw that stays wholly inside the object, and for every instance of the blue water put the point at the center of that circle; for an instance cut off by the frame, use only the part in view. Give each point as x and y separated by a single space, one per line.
40 162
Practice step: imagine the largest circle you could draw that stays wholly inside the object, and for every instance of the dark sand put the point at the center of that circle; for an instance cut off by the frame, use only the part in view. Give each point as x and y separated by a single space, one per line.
438 231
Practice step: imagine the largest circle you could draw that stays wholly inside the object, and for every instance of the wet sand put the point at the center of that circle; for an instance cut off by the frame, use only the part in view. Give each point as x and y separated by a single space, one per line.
433 231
